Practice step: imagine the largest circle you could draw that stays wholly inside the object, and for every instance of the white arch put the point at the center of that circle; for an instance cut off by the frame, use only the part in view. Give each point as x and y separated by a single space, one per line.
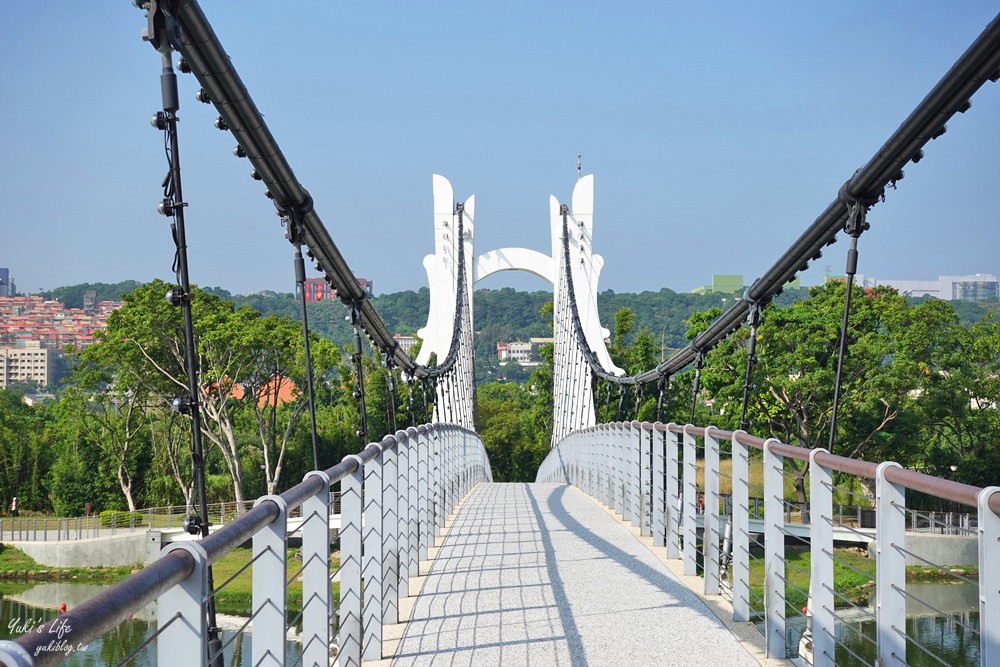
515 259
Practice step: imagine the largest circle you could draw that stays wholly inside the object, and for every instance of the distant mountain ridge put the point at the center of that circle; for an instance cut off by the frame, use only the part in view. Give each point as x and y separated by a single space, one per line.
499 314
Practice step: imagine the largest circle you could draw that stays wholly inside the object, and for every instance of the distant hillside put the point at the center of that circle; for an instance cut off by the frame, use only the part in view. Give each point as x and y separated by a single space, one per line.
71 296
499 315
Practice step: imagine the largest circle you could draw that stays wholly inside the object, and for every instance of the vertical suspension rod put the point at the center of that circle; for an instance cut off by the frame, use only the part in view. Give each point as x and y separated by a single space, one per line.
748 384
300 279
696 387
358 356
856 224
171 103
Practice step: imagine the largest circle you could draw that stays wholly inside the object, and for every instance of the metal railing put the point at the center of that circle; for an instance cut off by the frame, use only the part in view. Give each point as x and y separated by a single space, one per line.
55 529
395 497
647 473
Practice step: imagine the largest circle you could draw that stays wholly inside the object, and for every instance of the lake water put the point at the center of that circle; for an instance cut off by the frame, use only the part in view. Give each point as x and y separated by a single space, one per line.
953 638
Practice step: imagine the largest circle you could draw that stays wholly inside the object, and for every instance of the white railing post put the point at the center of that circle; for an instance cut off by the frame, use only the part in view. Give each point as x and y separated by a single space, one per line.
404 504
390 531
690 511
350 565
422 447
659 492
270 593
821 602
646 479
741 529
710 523
621 446
185 640
436 482
989 579
603 445
372 558
774 551
317 606
13 655
673 494
633 445
890 567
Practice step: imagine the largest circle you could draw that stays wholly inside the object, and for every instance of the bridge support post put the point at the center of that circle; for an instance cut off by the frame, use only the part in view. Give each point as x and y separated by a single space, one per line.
774 552
349 640
621 470
690 511
890 567
710 533
184 640
821 600
673 494
403 503
372 558
436 442
412 498
13 654
317 606
637 462
270 592
646 478
659 526
423 447
989 579
390 526
741 529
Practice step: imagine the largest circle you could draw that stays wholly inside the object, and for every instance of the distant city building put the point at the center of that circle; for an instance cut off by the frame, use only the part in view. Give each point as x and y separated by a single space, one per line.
7 287
722 284
977 287
406 342
317 289
32 318
519 351
733 284
29 362
89 301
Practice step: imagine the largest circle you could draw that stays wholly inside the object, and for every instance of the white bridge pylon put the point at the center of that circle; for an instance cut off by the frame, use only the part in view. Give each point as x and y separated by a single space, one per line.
574 405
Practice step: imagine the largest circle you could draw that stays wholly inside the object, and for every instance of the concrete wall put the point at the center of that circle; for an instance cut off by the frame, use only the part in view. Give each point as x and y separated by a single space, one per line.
117 551
944 550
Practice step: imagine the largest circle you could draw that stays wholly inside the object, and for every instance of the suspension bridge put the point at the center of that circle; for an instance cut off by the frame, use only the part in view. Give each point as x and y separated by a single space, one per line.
613 556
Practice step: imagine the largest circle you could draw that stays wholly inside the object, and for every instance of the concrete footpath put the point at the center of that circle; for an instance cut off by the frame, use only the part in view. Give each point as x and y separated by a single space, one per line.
538 574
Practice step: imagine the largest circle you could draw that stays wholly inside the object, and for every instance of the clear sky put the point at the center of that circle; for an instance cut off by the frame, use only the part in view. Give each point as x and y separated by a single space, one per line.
717 131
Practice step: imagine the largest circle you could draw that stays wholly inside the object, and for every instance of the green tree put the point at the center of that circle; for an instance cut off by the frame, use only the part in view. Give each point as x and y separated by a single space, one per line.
797 348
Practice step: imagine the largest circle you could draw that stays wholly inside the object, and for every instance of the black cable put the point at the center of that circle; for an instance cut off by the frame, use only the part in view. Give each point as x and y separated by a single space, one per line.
856 225
173 205
300 280
748 384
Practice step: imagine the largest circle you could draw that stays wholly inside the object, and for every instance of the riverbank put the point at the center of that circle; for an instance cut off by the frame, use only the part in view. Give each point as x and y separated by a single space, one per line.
853 575
235 597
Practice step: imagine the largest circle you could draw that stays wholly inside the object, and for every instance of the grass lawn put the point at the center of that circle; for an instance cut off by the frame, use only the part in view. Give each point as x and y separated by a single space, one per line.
756 481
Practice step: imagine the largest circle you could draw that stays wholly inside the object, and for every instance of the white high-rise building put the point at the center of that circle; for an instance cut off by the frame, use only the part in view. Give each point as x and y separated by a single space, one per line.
977 287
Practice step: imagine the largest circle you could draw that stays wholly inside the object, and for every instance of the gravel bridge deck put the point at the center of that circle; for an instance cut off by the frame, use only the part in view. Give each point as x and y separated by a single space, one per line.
538 574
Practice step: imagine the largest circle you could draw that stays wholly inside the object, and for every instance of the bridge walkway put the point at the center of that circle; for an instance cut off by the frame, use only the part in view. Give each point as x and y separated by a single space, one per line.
539 574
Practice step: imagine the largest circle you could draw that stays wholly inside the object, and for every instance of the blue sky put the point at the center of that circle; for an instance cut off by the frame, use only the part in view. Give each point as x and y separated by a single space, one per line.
716 132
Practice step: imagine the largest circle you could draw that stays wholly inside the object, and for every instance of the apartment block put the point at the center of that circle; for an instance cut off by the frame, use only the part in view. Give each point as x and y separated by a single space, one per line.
29 362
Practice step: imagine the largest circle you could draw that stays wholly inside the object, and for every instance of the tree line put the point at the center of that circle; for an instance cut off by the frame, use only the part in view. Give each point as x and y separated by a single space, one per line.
113 438
921 386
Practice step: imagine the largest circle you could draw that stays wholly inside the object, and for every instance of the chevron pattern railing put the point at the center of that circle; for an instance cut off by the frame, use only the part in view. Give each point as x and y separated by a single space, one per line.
395 497
647 473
